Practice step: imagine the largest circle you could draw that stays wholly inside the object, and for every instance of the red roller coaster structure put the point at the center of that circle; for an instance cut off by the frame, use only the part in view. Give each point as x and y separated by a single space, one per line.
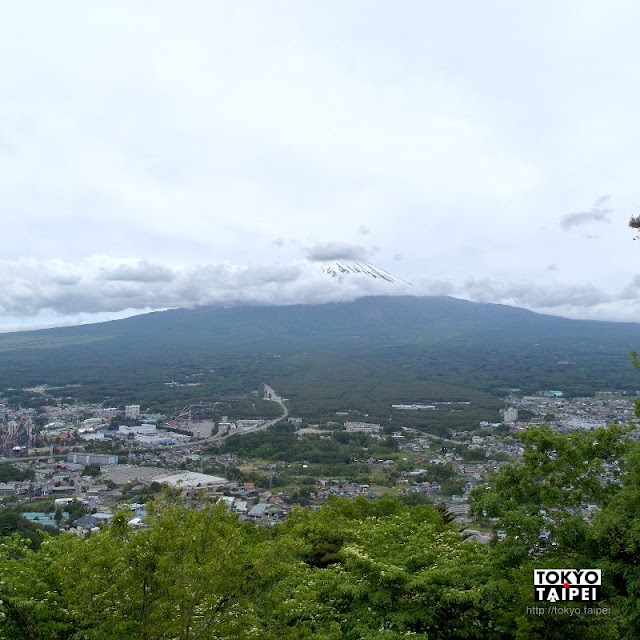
17 435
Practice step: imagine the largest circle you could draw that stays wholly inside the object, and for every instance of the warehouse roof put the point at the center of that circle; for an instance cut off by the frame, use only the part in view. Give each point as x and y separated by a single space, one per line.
190 480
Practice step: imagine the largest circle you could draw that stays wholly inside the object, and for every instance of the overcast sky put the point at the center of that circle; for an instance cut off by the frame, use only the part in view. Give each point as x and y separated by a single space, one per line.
163 154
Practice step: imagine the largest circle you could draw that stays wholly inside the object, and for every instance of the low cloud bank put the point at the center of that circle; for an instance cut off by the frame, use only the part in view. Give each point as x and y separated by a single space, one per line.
101 284
572 300
55 292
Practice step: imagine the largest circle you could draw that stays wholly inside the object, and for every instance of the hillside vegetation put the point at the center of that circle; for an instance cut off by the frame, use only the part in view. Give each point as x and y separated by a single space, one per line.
363 356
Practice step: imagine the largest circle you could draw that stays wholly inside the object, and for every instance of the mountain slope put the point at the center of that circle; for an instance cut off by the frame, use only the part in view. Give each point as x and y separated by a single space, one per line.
365 354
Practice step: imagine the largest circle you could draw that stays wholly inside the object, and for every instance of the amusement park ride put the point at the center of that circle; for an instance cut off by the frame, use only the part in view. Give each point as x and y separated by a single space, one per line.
17 436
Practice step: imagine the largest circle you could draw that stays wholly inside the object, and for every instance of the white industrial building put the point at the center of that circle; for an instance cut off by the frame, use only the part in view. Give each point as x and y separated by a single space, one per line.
92 458
244 424
139 429
362 427
191 480
132 411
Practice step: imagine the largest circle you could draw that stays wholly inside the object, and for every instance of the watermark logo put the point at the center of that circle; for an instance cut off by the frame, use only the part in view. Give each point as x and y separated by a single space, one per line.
567 585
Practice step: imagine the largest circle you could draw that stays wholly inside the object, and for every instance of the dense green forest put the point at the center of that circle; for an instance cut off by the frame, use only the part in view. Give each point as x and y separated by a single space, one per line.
361 356
280 443
375 569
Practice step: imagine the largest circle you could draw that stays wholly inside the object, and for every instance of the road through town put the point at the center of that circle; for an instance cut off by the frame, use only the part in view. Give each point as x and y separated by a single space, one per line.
269 394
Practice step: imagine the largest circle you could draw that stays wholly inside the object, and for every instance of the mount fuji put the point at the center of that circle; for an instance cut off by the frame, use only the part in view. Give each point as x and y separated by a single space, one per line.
341 269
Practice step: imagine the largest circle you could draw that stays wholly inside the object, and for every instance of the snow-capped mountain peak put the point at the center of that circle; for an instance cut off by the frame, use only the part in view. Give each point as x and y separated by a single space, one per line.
348 268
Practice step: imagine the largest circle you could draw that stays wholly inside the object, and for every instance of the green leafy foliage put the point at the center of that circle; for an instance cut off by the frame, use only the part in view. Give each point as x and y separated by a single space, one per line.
354 568
540 499
281 443
92 470
12 522
9 473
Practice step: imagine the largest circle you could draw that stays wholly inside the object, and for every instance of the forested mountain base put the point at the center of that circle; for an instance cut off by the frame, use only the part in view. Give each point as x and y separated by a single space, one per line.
362 356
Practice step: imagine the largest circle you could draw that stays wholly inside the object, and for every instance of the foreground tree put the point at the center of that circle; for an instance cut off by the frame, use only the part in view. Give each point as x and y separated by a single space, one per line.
390 571
555 507
354 569
188 577
542 502
32 606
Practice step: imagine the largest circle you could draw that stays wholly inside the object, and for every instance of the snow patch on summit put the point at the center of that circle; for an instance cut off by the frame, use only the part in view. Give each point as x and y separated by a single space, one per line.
347 269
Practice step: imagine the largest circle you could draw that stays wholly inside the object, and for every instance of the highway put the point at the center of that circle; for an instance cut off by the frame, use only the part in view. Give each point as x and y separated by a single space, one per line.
269 394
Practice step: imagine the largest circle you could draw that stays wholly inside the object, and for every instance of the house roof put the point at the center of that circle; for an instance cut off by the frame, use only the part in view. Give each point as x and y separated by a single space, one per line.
258 510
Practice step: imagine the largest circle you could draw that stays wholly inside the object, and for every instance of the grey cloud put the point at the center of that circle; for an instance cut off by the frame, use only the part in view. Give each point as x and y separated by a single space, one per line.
437 288
600 212
553 267
45 289
364 231
534 296
569 300
69 279
142 271
563 299
278 242
336 251
632 290
109 286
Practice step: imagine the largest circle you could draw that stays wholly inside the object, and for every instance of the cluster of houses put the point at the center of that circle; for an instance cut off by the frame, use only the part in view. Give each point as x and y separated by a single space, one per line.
341 488
567 414
69 480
